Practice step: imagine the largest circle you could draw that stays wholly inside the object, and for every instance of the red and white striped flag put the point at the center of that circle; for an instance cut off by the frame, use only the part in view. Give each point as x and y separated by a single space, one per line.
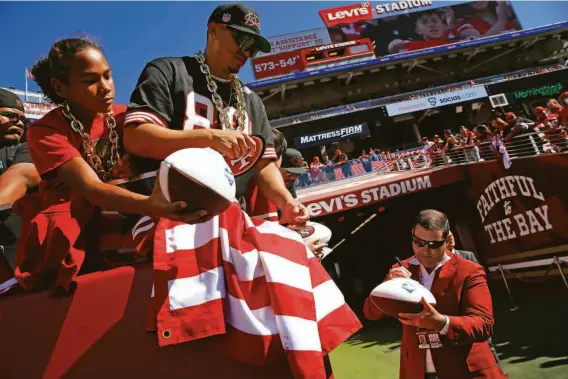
29 74
255 283
357 169
378 165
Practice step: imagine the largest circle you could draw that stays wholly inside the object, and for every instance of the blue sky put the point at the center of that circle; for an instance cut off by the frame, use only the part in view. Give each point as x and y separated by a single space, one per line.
133 33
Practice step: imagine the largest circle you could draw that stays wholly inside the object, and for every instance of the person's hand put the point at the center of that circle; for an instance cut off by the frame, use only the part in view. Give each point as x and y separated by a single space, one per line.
316 246
294 213
232 143
124 168
396 46
429 318
157 206
449 16
399 272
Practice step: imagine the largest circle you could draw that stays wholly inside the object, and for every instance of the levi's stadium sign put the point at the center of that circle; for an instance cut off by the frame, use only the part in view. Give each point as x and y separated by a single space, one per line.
436 101
328 136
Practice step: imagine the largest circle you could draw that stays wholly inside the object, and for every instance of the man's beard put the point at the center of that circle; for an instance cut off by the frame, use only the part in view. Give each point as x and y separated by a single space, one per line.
234 70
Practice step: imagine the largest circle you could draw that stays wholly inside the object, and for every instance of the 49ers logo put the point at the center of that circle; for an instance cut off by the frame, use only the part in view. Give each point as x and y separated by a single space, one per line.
200 113
304 231
241 165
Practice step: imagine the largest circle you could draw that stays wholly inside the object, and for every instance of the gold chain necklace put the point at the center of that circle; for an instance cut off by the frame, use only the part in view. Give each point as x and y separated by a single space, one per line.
237 87
90 156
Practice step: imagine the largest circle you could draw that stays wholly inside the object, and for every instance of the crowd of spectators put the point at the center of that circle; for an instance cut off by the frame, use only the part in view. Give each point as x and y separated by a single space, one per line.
506 134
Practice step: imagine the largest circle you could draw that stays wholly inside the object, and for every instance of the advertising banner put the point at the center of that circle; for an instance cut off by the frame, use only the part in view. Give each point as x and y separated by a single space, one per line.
297 41
277 64
328 136
404 32
519 209
552 90
347 14
529 82
426 27
435 101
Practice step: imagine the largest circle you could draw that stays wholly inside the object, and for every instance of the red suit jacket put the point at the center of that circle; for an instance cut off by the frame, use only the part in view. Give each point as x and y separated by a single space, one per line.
462 294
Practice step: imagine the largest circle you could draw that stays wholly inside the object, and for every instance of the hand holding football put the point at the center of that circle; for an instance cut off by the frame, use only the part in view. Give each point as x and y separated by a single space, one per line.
400 295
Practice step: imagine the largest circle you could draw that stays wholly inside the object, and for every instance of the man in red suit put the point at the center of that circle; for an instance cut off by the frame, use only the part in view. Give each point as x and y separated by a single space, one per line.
449 341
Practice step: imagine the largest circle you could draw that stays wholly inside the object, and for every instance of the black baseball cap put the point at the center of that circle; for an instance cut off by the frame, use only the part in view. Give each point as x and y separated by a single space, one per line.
292 162
241 18
9 99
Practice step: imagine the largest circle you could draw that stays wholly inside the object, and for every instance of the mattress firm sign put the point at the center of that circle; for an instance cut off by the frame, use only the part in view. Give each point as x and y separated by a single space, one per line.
436 101
328 136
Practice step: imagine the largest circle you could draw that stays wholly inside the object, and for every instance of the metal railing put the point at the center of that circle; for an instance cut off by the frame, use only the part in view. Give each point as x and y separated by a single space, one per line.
523 145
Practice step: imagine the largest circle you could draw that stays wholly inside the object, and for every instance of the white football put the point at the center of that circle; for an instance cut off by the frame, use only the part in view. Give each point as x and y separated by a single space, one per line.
200 177
314 230
401 295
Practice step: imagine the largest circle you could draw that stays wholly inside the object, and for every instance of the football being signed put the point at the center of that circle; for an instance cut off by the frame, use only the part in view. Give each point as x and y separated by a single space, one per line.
401 295
200 177
315 231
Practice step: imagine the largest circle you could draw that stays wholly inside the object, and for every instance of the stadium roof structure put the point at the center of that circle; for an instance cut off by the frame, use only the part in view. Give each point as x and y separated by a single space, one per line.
360 80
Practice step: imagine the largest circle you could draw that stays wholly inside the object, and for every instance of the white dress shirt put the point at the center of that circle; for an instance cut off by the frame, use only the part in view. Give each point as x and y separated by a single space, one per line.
427 279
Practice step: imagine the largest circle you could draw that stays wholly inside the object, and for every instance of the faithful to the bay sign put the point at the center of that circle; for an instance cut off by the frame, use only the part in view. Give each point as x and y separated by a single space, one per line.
503 190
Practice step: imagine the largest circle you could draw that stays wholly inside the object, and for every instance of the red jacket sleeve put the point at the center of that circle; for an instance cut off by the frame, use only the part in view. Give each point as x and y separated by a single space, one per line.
476 324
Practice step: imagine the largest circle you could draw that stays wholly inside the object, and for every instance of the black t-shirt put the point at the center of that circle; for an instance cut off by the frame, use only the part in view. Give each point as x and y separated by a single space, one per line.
11 155
10 222
173 93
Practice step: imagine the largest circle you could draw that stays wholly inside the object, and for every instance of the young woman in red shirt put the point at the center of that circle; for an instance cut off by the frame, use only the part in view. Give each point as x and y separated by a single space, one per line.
76 148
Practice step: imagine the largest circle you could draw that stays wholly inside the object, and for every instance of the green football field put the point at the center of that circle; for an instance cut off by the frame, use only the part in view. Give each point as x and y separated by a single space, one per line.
531 341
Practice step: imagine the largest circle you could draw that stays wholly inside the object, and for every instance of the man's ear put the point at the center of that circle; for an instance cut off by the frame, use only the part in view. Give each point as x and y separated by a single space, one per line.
211 30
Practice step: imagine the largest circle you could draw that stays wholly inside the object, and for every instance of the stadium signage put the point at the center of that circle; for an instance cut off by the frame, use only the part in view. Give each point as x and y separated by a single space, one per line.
297 41
277 64
547 90
368 196
504 190
337 45
402 6
347 14
401 56
454 97
323 138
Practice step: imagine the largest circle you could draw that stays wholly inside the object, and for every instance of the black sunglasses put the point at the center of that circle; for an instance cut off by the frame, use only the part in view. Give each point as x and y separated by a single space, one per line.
14 117
431 244
245 42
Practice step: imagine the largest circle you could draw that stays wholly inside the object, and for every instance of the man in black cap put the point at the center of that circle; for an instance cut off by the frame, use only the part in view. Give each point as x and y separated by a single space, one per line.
291 168
198 102
17 175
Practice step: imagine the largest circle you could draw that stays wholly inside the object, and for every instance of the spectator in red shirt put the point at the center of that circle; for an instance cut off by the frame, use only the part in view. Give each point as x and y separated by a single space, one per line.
563 119
487 18
76 148
552 104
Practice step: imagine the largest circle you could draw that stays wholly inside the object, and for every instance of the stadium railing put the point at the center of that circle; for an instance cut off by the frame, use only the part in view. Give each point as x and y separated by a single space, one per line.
523 145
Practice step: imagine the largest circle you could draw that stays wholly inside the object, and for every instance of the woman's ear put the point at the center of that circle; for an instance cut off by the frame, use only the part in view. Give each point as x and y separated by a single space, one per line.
59 87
